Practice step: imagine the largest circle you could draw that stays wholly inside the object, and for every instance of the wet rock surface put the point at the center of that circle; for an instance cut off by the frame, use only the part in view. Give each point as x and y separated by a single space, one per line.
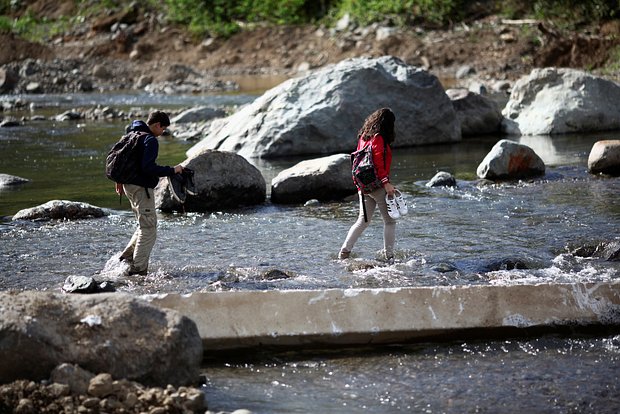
60 210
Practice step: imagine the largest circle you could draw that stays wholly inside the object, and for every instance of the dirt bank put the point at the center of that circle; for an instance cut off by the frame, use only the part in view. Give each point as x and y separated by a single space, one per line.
121 51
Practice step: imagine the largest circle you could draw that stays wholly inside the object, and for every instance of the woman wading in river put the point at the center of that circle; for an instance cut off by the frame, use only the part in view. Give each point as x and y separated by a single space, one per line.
378 132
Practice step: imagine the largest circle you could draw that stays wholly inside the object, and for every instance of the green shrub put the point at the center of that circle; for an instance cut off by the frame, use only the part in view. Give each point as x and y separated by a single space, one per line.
403 11
567 12
223 17
6 24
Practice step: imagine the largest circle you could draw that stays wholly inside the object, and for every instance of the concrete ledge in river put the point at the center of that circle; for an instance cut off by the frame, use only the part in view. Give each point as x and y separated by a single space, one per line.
235 320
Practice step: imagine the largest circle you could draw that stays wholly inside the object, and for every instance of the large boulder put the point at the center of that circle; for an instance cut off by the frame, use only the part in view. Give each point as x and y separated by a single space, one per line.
223 180
324 179
60 210
560 101
198 114
477 114
321 113
604 157
509 160
118 334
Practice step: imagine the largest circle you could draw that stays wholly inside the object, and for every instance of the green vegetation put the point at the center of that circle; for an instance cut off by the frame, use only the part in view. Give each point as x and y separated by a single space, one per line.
225 17
566 13
613 63
31 28
403 12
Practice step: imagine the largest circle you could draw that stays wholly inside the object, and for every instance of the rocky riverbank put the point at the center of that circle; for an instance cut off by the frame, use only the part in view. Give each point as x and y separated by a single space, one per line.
146 53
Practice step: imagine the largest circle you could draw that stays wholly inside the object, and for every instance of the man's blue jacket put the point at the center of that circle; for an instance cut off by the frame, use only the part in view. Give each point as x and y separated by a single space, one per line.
150 171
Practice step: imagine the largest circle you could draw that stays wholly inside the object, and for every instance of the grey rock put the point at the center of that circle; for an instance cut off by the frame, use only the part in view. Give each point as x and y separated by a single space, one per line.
85 85
198 114
132 339
327 178
604 158
86 284
143 81
33 87
561 101
8 79
8 123
464 71
72 375
7 180
477 114
442 179
60 210
102 72
223 180
68 116
321 113
509 160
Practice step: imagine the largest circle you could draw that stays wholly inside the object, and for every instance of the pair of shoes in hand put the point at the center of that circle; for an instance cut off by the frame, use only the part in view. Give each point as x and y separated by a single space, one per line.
182 184
396 205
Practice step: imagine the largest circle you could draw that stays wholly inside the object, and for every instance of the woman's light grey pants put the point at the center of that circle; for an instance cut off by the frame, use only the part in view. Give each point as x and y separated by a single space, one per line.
373 200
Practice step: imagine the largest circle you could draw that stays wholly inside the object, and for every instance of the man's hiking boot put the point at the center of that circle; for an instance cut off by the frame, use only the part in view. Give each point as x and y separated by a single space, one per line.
182 184
125 259
133 271
188 176
177 189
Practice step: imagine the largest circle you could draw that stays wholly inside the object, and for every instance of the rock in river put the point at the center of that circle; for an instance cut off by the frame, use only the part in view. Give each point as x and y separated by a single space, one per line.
60 210
320 113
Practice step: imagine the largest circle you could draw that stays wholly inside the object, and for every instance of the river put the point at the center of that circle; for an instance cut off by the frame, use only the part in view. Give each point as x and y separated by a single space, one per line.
513 233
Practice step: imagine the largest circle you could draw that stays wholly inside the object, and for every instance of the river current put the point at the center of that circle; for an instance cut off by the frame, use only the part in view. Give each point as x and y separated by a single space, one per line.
523 232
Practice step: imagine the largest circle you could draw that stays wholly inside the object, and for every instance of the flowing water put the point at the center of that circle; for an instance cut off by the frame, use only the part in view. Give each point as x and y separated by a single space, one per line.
511 233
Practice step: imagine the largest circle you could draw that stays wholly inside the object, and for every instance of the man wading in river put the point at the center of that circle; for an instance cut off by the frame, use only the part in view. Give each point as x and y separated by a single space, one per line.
140 191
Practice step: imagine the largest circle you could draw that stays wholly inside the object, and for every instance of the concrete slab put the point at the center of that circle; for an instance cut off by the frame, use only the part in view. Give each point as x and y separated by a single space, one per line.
233 320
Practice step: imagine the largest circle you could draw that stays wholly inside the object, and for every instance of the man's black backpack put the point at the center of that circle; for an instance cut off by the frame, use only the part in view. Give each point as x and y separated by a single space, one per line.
124 161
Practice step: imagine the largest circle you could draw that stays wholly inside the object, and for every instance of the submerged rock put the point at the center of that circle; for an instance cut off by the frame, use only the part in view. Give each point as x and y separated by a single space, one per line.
324 179
609 251
60 210
442 179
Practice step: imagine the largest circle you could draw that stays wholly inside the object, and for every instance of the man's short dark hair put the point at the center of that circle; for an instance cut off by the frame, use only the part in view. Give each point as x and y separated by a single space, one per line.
158 116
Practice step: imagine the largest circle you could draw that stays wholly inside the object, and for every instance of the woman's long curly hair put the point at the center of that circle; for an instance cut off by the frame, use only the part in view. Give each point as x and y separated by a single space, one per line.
379 122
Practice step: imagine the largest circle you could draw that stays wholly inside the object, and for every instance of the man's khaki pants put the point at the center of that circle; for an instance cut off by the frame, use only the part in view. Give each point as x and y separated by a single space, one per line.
139 248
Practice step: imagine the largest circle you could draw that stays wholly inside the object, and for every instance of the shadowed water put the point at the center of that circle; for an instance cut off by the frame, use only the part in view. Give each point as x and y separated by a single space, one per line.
510 233
543 375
